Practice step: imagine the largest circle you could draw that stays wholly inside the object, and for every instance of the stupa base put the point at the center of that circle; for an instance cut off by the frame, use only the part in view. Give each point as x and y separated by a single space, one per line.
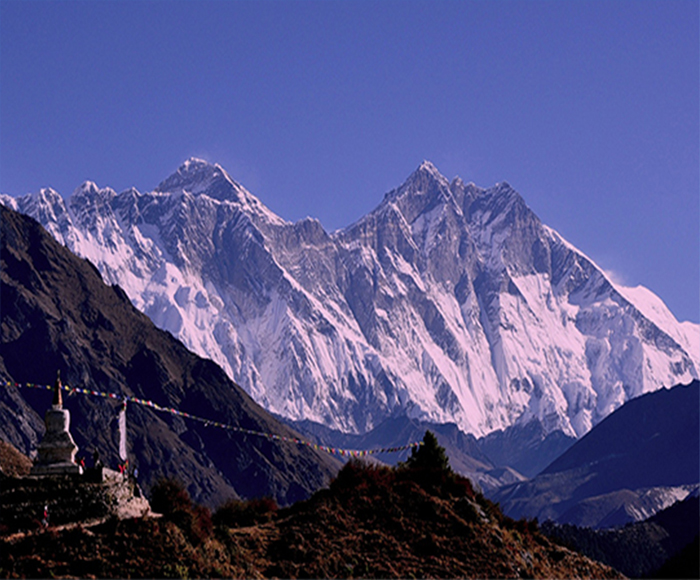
56 469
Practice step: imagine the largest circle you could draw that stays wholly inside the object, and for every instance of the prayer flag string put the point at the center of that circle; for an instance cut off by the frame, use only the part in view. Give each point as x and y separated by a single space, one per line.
209 423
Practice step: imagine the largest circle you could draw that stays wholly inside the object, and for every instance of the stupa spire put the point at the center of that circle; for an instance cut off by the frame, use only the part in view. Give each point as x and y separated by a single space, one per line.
57 396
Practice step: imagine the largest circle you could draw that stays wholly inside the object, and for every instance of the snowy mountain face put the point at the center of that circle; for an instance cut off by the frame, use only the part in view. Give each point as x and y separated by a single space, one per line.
448 302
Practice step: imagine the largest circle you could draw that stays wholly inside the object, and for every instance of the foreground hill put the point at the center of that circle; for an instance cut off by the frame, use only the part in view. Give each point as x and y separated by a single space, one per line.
639 460
58 315
372 523
448 302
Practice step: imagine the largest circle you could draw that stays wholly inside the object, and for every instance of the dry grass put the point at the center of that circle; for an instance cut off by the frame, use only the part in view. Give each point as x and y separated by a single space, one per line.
12 462
372 522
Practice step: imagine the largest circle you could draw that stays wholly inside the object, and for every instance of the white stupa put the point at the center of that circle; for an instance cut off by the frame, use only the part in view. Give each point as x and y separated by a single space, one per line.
56 452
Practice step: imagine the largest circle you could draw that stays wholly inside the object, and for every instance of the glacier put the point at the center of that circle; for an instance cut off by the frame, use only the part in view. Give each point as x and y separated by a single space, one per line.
447 303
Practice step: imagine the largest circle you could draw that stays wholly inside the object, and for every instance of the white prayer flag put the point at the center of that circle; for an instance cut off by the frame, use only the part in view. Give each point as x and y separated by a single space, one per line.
122 432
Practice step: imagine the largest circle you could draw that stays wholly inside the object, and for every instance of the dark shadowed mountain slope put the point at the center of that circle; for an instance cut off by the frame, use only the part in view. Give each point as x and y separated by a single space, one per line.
641 549
58 315
640 459
634 443
526 448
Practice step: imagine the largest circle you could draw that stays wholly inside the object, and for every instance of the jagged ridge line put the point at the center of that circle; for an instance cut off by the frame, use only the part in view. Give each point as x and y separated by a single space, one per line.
208 422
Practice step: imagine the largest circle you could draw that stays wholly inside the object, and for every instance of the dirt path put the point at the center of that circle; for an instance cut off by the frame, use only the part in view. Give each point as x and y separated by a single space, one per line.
85 524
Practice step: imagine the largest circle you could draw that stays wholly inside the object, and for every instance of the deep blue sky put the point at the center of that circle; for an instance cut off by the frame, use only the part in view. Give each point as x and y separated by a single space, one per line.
589 109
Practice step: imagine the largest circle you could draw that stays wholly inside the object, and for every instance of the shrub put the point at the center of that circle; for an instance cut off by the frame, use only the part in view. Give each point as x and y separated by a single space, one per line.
236 513
493 511
467 510
358 475
462 487
203 525
170 498
526 527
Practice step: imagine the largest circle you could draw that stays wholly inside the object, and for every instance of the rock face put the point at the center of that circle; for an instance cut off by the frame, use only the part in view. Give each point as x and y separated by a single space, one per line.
447 303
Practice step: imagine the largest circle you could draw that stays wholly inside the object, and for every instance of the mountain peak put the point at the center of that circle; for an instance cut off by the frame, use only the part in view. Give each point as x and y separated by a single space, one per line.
196 167
196 164
428 166
199 176
192 171
48 193
427 171
89 190
424 178
87 186
427 175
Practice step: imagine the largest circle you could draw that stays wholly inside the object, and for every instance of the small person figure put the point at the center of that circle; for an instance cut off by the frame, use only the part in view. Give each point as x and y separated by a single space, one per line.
45 519
135 475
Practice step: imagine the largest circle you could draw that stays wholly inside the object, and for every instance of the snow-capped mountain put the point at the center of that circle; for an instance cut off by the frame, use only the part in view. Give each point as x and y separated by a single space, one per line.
448 302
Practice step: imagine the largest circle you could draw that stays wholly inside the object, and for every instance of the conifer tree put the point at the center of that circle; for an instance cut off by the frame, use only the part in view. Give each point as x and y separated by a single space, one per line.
430 456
